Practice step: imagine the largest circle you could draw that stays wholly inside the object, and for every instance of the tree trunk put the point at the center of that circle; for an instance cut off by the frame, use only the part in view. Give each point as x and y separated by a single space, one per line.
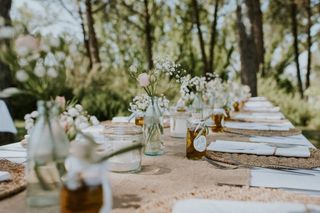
148 34
213 36
93 42
249 65
309 12
255 16
294 29
5 74
201 41
85 37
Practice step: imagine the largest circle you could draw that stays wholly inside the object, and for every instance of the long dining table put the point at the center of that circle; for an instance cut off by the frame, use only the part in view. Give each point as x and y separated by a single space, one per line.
171 174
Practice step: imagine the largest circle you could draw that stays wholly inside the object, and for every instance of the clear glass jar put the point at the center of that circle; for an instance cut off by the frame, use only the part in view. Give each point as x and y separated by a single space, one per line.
120 135
48 148
196 139
178 123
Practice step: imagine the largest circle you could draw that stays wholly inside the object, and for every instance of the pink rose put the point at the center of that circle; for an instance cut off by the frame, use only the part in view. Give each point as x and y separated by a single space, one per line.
27 43
143 80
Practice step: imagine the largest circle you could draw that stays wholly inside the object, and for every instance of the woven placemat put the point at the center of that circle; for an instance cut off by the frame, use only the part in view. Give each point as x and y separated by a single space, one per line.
165 205
249 160
17 184
249 132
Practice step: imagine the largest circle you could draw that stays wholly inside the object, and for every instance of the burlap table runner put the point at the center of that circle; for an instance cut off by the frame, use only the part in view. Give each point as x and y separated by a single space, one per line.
169 174
17 183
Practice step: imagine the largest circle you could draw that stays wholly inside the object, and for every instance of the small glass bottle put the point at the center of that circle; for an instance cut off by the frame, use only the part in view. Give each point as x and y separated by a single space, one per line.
196 139
48 148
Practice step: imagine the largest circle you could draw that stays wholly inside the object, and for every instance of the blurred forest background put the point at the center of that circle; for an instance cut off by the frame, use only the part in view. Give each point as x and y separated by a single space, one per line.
271 45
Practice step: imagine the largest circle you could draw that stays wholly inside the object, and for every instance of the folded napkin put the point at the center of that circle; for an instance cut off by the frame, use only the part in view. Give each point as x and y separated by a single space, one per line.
227 206
290 140
262 109
258 104
258 126
259 98
6 122
241 147
259 116
4 176
258 149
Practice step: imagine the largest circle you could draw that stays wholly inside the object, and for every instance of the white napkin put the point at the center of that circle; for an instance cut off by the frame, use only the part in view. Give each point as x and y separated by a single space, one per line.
241 147
4 176
294 140
258 104
262 177
259 116
6 123
227 206
258 149
262 109
258 126
295 151
259 98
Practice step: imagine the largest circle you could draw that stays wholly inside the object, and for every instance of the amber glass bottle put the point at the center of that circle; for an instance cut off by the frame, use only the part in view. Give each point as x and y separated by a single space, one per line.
139 121
217 119
236 106
196 140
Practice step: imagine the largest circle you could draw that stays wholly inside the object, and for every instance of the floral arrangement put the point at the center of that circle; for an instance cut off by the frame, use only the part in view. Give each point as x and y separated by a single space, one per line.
148 79
191 87
72 118
140 103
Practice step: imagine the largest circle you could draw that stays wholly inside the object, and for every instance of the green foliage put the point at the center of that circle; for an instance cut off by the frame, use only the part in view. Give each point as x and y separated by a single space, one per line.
298 111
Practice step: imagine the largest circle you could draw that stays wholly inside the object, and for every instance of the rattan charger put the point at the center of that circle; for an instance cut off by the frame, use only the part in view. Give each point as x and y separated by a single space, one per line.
17 184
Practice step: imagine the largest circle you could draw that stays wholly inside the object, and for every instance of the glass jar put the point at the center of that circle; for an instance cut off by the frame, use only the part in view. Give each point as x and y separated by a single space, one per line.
218 119
120 135
48 148
196 139
178 123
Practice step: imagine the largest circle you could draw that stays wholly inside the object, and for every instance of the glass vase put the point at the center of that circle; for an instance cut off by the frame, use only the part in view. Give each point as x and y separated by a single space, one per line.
197 106
48 148
153 129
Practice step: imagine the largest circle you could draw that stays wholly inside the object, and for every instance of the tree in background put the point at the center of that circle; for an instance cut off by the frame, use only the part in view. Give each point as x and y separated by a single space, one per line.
294 30
248 54
309 41
207 60
5 74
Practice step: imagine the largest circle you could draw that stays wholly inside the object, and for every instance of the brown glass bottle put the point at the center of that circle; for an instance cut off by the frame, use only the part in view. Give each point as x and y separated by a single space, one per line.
86 199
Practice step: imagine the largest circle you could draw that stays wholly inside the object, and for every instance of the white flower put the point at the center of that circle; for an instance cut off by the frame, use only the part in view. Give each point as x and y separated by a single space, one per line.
6 32
39 70
29 124
34 114
22 76
27 116
60 56
52 72
23 62
94 120
54 42
143 80
133 68
73 112
79 107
